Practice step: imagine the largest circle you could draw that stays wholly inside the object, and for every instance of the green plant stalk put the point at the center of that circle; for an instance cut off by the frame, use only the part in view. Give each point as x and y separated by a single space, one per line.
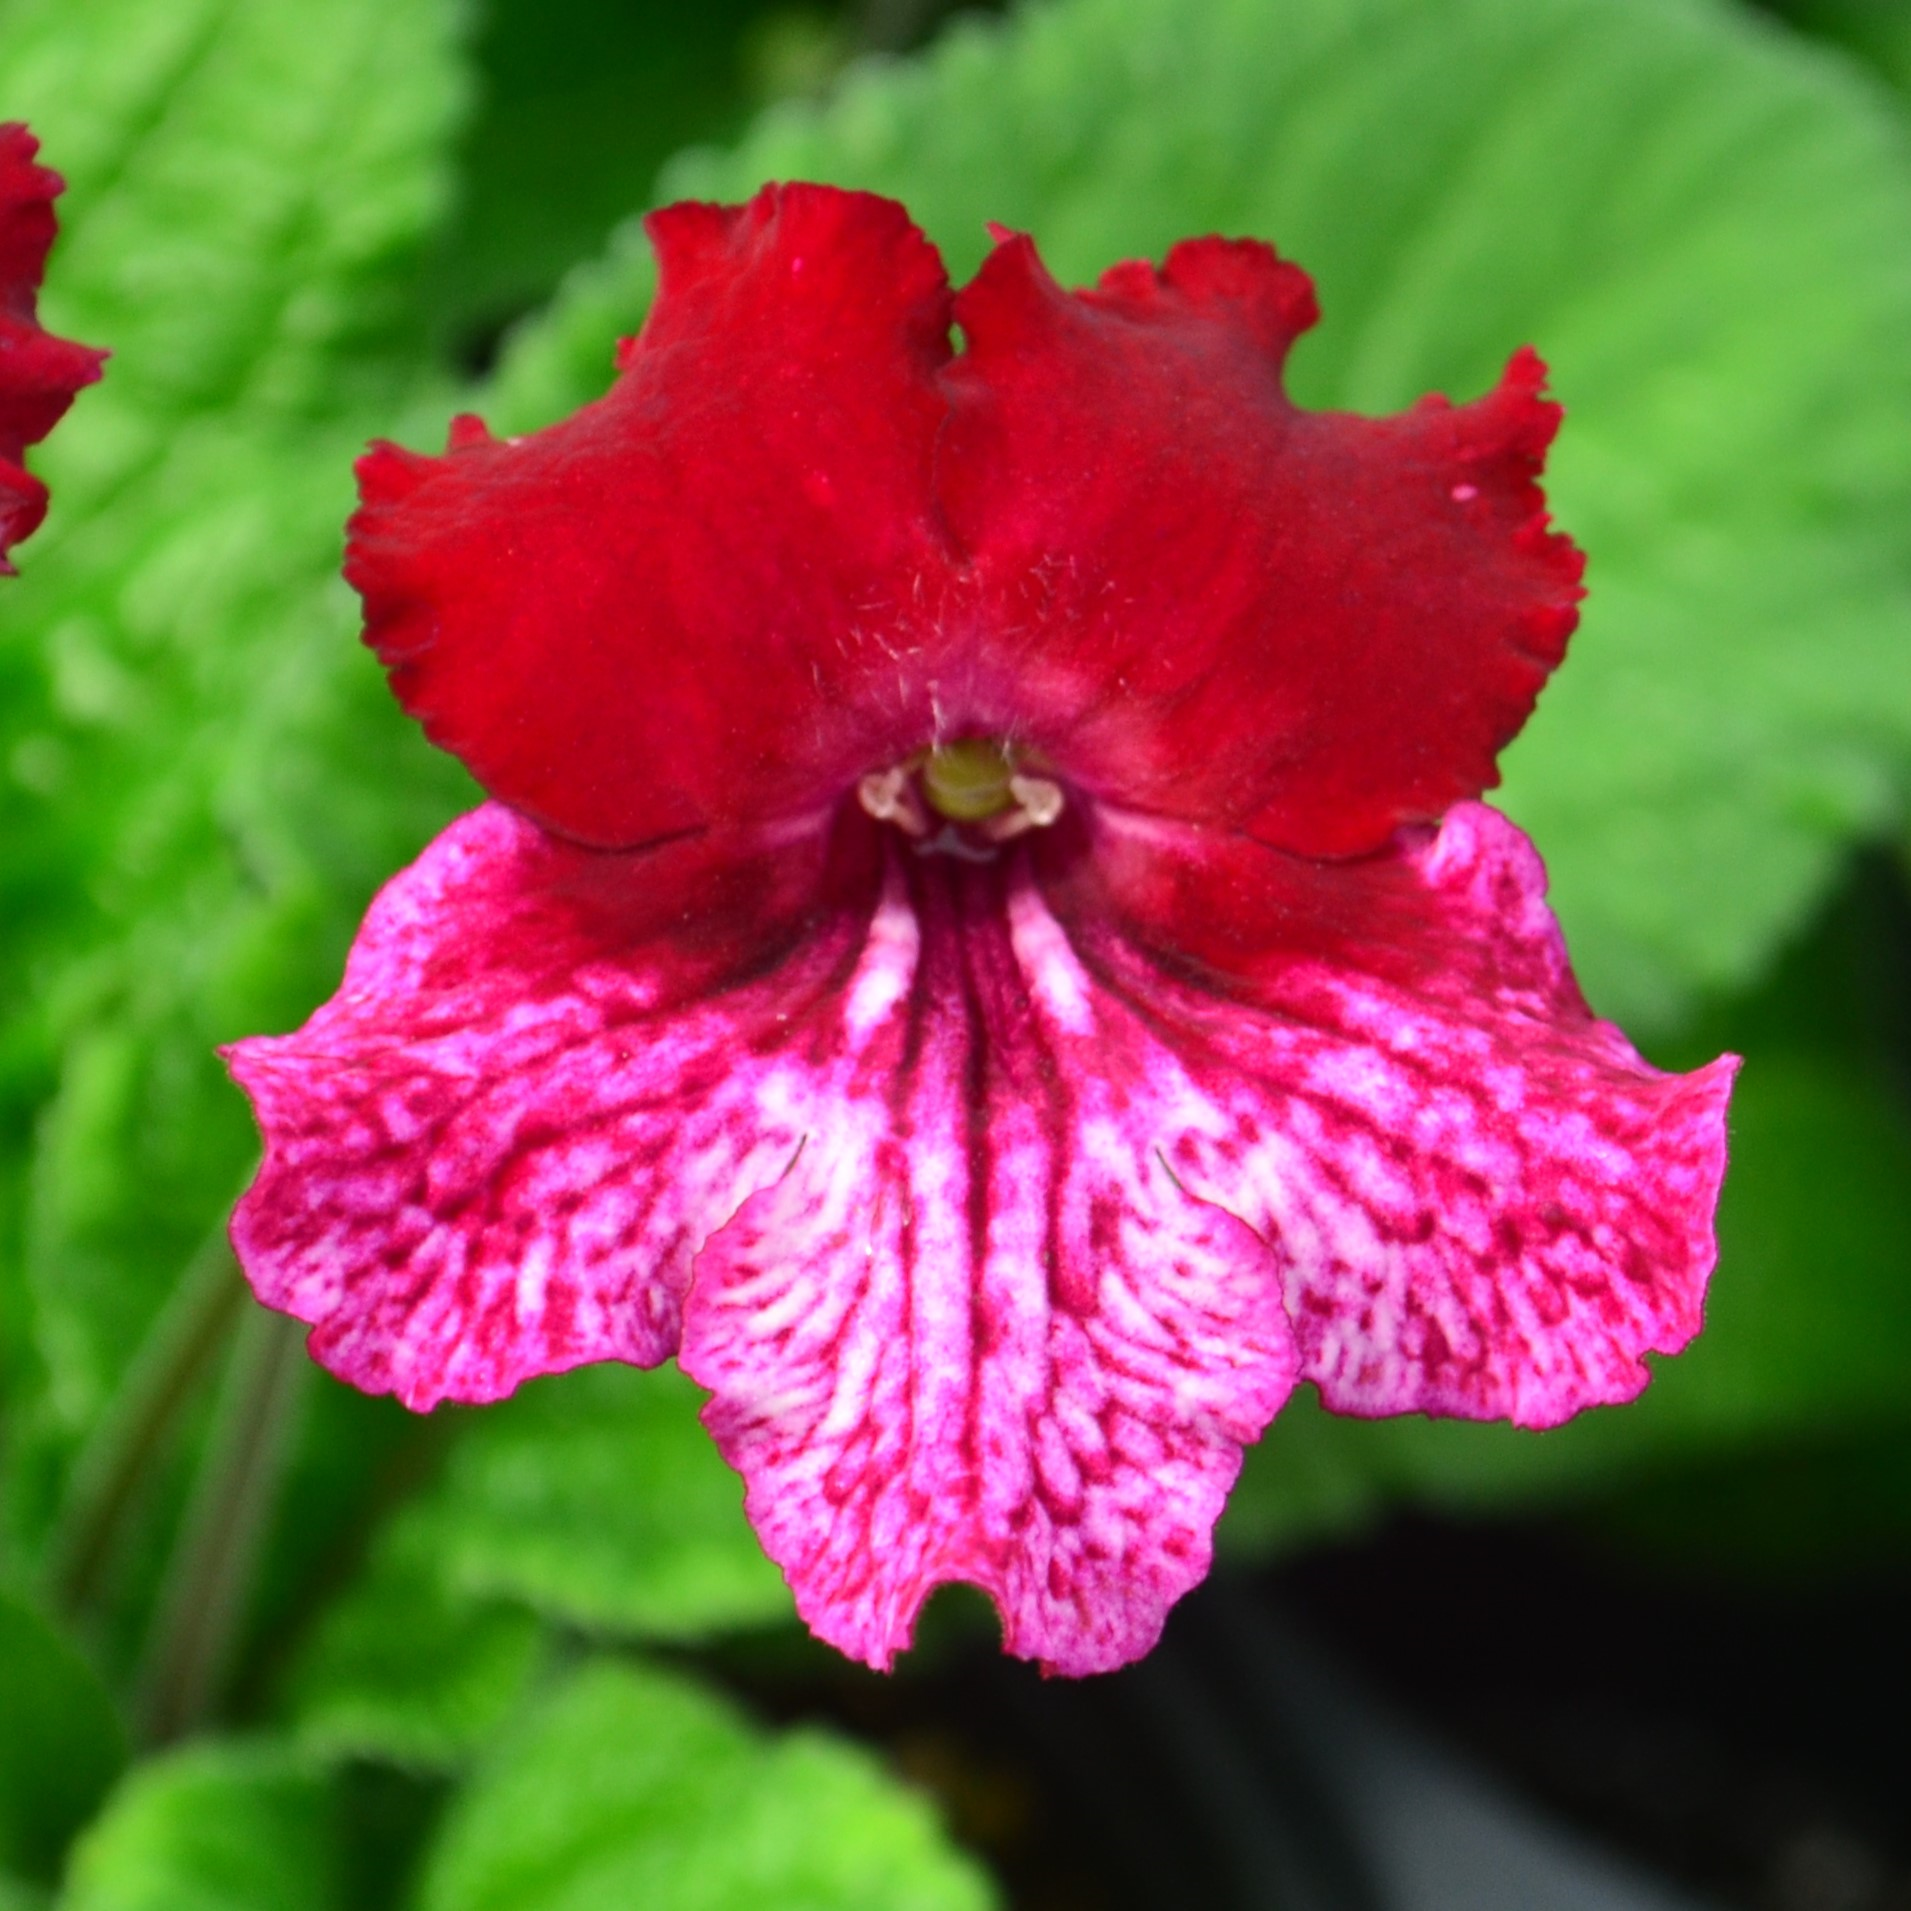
203 1599
121 1451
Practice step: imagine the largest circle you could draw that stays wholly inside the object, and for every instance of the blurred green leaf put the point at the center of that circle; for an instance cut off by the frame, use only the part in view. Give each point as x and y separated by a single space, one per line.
214 1827
1701 222
1806 1325
597 1498
398 1671
61 1744
594 1499
1878 31
634 1788
247 187
201 778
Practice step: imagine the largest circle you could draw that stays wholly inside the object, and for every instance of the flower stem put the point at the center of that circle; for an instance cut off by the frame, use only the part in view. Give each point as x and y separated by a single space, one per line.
202 1603
120 1452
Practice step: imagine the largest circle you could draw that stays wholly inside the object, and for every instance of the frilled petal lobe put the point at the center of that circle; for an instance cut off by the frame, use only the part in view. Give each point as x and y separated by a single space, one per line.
683 605
39 373
1305 625
994 1231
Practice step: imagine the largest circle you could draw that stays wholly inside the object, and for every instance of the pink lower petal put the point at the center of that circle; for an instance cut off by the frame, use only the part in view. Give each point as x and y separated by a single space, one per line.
966 1324
985 1215
1483 1201
979 1332
494 1152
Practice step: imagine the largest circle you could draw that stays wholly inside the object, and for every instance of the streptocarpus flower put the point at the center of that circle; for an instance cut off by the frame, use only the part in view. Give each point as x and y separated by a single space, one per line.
983 945
39 374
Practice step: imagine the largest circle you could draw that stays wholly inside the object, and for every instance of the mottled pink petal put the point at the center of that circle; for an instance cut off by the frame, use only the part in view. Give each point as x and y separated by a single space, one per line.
986 1329
994 1233
979 1332
1483 1202
966 1325
543 1082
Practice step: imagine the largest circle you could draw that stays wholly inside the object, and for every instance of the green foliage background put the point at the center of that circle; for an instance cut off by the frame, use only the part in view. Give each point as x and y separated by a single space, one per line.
301 227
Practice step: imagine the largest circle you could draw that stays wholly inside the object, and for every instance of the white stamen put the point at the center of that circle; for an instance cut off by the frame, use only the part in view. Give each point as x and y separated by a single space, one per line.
890 797
1040 799
895 796
1038 804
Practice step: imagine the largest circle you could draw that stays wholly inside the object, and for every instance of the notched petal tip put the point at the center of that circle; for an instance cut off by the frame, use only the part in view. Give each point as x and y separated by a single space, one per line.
1241 287
467 432
387 473
1498 452
1496 445
980 1332
1012 304
855 254
1242 282
399 619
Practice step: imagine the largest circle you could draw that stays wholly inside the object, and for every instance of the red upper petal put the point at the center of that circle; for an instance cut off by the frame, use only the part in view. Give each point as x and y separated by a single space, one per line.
683 605
38 373
1311 626
799 540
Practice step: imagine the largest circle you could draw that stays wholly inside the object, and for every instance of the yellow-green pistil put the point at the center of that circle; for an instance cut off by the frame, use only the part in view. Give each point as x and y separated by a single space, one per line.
952 794
968 782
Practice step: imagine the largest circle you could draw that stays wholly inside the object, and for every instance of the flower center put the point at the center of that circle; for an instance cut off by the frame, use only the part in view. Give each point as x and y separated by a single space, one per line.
968 782
962 796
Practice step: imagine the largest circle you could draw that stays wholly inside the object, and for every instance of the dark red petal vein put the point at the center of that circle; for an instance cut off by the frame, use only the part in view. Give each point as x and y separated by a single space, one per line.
979 1332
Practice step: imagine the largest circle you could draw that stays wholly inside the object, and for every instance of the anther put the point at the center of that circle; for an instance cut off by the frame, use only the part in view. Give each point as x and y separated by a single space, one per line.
890 797
1037 804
